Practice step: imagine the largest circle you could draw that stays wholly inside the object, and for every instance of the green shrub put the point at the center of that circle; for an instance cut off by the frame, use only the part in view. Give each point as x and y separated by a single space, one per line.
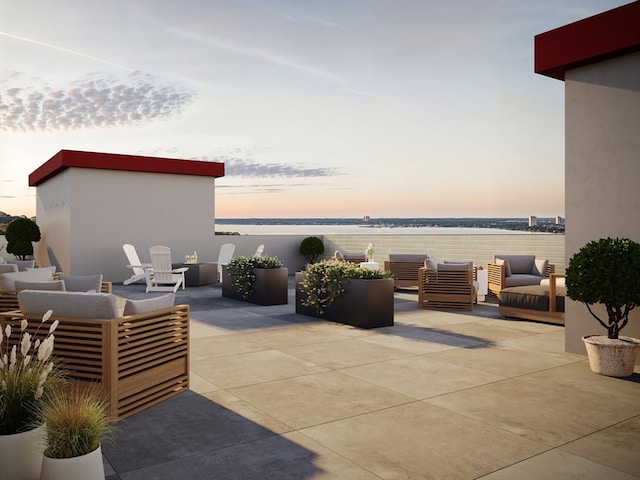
241 272
19 235
607 271
311 248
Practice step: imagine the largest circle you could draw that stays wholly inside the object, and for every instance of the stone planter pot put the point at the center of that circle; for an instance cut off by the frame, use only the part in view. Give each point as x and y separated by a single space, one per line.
84 467
21 454
365 303
612 357
270 288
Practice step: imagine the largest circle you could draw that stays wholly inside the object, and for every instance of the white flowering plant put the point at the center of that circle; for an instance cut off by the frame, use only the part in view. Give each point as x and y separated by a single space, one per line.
324 281
27 374
370 250
241 272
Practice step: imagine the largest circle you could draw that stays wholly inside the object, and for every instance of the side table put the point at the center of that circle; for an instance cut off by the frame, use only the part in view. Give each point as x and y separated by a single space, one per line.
199 274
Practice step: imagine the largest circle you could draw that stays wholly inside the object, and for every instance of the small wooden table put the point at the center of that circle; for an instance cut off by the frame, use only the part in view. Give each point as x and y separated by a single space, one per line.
199 274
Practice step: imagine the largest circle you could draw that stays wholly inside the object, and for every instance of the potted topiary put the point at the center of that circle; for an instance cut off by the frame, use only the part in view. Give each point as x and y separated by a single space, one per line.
607 271
27 375
76 421
260 280
19 235
345 292
311 248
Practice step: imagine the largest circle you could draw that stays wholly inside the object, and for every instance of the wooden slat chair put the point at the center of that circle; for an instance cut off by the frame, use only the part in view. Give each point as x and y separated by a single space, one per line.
516 271
446 288
138 360
405 268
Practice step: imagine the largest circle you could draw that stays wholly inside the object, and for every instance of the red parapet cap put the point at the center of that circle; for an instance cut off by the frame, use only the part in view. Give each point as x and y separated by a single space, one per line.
601 37
132 163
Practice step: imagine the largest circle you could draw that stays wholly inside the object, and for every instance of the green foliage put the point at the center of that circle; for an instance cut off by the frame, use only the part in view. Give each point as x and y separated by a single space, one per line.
607 271
20 233
241 272
311 248
324 281
77 419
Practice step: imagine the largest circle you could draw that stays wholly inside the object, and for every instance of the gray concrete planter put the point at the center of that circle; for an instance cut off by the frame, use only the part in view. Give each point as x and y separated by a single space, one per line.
365 303
270 287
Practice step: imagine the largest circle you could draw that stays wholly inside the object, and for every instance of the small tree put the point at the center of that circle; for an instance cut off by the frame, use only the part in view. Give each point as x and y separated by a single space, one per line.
607 271
311 248
19 234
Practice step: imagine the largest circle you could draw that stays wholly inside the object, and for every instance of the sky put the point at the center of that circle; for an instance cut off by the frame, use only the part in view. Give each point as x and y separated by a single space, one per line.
317 108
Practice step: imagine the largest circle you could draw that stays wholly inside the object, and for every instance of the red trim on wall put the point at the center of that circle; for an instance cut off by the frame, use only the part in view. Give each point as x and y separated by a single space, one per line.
594 39
132 163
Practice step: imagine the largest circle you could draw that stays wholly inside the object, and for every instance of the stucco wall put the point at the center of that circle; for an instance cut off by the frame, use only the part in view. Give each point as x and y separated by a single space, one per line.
602 168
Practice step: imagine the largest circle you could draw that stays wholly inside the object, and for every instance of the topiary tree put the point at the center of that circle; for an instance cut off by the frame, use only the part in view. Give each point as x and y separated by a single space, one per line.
19 234
607 271
311 248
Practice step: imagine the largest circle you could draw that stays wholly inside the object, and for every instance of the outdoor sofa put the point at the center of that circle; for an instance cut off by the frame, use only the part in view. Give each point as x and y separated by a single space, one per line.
139 356
516 271
543 303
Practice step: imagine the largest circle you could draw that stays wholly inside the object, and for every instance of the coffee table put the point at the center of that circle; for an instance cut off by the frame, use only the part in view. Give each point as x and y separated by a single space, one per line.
199 274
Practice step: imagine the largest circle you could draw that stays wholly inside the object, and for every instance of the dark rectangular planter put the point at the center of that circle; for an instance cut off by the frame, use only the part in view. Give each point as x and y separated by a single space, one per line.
365 303
270 288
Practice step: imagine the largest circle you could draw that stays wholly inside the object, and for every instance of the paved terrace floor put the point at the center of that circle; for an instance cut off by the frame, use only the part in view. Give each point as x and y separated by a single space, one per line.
276 395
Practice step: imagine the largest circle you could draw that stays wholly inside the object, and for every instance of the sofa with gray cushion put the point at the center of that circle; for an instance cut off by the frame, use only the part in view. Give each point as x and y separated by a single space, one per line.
404 268
137 350
516 271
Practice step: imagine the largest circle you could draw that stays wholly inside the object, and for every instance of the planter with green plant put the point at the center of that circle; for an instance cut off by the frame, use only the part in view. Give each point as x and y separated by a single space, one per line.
311 249
19 235
259 280
27 376
607 272
77 421
346 293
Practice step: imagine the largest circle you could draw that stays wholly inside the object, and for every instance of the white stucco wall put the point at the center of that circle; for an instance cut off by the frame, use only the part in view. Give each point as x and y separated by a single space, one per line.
88 214
602 169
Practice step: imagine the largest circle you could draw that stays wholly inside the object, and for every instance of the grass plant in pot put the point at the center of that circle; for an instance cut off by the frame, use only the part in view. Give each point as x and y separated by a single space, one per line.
607 272
27 375
76 421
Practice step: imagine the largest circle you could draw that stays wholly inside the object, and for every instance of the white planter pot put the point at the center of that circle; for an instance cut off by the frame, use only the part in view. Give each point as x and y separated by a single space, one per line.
612 357
84 467
21 454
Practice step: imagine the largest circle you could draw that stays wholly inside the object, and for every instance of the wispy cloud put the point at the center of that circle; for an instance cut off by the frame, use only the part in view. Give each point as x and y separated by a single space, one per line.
101 102
66 50
259 54
307 20
241 167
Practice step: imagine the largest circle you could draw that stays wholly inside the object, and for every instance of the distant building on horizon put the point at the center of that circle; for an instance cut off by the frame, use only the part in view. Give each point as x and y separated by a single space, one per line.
533 221
559 220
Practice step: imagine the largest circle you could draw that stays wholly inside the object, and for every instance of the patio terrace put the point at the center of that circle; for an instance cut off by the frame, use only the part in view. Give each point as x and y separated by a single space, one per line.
276 395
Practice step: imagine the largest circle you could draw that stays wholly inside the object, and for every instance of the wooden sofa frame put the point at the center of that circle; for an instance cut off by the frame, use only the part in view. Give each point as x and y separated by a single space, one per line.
9 298
447 289
551 316
138 360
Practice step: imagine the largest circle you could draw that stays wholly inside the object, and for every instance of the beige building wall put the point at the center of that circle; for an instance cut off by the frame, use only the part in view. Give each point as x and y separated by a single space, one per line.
602 169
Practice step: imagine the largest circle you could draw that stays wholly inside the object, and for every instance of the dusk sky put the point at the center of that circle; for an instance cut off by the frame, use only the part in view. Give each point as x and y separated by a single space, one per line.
332 108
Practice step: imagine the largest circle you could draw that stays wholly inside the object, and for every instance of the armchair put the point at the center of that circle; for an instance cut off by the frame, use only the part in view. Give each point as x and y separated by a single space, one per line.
516 271
405 268
450 285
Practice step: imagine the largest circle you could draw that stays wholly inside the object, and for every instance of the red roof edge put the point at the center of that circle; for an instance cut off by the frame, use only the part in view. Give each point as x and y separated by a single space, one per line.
132 163
601 37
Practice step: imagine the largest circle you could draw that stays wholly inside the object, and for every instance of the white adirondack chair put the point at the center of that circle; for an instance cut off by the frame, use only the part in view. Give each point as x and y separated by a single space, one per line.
225 255
139 268
259 251
163 277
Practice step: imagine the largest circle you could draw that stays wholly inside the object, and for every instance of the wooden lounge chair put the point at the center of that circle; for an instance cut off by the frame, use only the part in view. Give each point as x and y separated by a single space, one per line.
542 303
447 286
405 268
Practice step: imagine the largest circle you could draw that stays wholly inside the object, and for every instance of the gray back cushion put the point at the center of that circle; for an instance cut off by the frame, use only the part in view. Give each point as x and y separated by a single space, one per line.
8 267
7 280
407 257
23 264
454 266
133 307
519 263
68 304
82 283
50 285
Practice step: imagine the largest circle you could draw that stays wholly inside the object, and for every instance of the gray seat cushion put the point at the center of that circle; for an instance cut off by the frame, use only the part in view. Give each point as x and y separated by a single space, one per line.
531 297
522 279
